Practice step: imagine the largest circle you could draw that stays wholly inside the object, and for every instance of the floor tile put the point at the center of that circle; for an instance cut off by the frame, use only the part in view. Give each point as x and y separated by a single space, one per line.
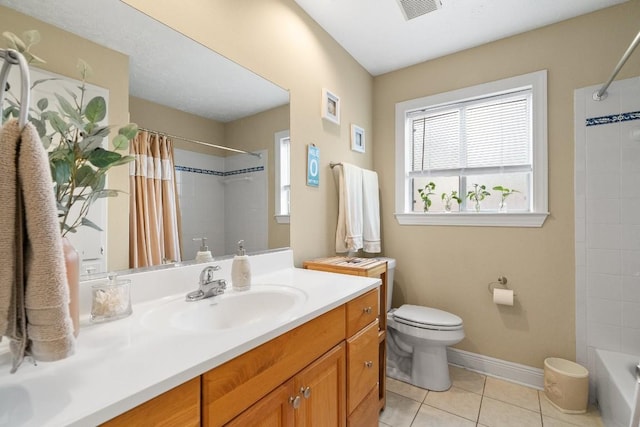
407 390
552 422
456 401
381 424
505 391
467 380
495 413
432 417
590 419
399 411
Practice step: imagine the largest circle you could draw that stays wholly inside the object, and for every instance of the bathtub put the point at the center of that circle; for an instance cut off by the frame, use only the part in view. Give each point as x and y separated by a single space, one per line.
616 387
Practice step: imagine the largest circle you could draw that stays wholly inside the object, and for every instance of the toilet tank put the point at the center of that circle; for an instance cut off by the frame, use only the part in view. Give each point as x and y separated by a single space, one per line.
391 266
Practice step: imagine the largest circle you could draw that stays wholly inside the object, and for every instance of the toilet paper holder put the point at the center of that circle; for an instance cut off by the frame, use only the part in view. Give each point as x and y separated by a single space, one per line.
502 282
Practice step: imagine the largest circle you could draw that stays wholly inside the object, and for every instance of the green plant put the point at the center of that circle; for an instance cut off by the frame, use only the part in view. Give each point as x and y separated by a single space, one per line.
449 198
477 195
72 134
425 193
504 193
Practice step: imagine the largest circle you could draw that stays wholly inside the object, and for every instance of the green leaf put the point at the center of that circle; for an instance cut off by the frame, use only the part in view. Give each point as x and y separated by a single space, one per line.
68 109
85 176
37 82
84 68
40 126
89 223
120 142
102 158
123 161
61 171
43 104
96 110
14 41
57 123
31 37
129 131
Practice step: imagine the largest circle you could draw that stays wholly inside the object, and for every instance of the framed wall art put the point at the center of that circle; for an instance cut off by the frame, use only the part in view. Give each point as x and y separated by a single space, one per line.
357 138
330 106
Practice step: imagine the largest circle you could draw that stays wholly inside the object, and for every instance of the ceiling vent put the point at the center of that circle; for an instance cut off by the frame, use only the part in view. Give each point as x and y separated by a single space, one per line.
414 8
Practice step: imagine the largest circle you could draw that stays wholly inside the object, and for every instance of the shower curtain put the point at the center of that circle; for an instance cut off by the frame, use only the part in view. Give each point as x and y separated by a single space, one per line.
154 214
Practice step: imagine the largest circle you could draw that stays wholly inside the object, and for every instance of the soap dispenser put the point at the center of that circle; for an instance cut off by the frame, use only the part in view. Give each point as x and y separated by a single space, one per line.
204 254
241 269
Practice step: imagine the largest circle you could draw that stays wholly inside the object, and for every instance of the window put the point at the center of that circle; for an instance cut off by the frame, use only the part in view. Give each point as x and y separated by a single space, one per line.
492 134
282 176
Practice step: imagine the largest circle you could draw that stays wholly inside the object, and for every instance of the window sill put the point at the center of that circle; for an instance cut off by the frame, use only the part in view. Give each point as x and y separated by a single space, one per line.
282 219
480 219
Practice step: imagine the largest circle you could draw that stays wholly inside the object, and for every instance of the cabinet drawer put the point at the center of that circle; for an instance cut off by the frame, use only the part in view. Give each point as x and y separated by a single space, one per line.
367 412
362 363
362 311
179 406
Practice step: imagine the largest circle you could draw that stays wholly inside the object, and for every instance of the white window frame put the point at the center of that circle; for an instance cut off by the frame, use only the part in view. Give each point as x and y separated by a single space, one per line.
280 216
537 81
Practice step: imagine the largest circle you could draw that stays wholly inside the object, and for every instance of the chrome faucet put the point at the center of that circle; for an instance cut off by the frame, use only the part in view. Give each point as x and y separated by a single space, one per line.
208 287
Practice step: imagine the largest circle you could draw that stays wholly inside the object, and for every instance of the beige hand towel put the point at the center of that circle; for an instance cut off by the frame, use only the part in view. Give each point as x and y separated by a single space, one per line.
49 333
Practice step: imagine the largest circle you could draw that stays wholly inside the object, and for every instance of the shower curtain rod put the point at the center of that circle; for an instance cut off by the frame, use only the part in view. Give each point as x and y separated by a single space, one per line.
602 93
222 147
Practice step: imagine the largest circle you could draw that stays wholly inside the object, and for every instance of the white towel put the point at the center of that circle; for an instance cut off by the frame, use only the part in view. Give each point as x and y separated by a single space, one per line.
371 212
349 228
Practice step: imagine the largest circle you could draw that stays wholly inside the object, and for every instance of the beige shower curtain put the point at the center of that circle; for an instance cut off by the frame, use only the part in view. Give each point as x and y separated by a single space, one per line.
154 213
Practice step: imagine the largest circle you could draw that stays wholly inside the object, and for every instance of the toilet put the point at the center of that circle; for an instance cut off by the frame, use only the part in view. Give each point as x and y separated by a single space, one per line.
417 340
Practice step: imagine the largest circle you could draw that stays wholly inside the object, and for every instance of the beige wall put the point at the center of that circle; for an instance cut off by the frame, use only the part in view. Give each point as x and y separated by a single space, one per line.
157 117
61 50
278 41
256 133
450 267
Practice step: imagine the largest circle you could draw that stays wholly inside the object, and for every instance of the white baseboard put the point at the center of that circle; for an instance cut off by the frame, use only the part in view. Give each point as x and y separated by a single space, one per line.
514 372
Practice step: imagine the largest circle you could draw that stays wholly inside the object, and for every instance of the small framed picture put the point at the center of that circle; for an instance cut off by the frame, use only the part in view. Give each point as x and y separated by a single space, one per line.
357 138
330 106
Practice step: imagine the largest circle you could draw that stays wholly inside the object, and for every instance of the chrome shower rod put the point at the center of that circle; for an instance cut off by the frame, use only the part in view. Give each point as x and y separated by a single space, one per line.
602 93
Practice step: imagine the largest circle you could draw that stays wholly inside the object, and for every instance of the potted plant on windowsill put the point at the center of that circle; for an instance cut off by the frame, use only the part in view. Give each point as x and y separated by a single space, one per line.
72 135
477 195
449 198
504 193
425 193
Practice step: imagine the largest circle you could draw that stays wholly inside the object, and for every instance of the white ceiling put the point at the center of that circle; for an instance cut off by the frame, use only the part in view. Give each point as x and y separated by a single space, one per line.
165 66
377 35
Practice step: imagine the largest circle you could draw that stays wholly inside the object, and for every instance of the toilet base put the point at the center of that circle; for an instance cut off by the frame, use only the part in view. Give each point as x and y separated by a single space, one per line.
430 369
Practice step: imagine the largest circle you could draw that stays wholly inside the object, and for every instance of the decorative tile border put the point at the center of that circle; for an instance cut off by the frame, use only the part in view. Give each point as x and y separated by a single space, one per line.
218 173
614 118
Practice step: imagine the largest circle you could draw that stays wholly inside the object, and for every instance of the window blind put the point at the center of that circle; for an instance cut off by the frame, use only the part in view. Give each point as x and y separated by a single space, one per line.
488 133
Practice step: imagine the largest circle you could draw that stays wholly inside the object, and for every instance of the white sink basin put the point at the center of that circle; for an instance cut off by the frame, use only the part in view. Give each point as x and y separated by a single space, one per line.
262 303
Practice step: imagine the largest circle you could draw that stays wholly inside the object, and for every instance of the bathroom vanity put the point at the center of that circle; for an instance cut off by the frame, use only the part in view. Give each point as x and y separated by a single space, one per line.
366 267
315 363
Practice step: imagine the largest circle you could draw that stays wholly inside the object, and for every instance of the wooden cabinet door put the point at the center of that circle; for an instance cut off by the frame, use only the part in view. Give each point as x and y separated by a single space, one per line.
273 410
322 388
362 361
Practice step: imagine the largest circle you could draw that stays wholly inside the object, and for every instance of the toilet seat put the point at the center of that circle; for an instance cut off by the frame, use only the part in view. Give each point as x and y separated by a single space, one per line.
427 318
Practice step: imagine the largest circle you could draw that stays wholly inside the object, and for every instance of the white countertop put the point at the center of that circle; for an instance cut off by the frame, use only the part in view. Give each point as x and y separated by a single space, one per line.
121 364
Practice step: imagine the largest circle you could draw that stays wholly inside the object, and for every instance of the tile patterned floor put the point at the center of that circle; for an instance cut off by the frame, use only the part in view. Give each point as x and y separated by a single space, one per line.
476 400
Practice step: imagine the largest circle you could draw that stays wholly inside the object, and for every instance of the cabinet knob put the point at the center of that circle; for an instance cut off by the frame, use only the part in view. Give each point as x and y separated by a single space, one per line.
295 402
368 364
367 310
306 392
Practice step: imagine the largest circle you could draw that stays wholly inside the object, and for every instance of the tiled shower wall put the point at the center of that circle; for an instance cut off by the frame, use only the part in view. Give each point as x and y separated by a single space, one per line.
222 199
607 220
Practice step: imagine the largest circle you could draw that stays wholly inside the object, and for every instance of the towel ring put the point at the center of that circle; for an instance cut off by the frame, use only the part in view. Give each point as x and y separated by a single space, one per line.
13 57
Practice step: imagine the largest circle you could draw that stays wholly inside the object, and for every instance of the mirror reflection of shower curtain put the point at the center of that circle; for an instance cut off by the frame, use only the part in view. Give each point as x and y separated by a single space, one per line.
154 212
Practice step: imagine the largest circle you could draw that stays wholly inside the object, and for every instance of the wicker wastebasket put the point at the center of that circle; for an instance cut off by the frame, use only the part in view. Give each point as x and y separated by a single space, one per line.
566 385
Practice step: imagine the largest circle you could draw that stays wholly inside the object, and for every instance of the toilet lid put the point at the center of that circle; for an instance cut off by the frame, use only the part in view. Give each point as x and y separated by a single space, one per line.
427 318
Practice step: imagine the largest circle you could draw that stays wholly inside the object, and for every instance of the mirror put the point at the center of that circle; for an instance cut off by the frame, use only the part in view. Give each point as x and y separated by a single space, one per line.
181 88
